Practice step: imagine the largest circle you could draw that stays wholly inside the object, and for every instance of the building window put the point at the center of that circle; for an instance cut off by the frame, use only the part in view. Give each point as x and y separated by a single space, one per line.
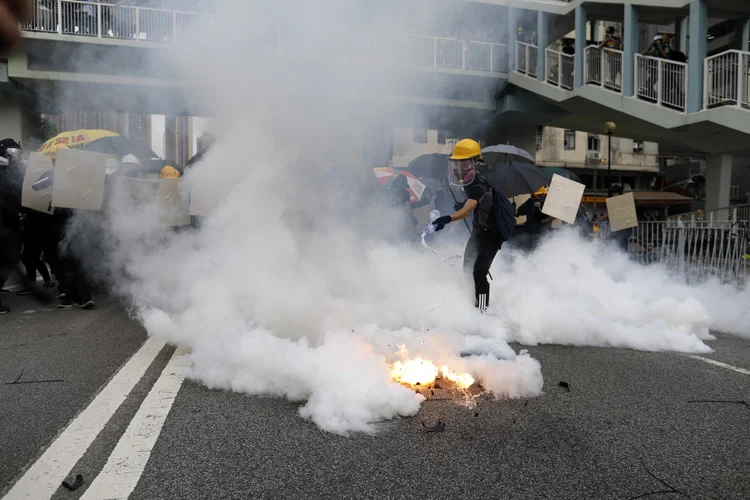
441 137
539 134
638 146
420 136
734 191
594 143
570 140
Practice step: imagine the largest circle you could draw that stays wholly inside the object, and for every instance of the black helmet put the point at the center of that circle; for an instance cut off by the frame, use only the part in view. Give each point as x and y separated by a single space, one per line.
611 30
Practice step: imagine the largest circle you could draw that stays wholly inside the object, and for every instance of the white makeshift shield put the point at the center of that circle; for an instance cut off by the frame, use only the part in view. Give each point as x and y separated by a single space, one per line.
563 199
40 200
79 179
621 210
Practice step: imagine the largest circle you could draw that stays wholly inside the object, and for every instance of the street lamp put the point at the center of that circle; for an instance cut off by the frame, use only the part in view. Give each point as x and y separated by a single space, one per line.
609 129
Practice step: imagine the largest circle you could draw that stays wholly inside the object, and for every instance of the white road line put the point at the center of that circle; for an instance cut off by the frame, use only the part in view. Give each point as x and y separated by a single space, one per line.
722 365
123 469
46 474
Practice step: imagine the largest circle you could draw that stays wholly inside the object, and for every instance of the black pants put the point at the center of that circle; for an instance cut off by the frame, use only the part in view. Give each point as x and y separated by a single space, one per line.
31 256
480 251
10 253
67 268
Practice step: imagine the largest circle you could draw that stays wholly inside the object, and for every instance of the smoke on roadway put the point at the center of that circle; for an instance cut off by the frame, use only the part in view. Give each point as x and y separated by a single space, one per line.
293 286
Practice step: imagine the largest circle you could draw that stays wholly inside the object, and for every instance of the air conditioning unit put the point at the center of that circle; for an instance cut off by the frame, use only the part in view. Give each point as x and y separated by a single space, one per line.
595 155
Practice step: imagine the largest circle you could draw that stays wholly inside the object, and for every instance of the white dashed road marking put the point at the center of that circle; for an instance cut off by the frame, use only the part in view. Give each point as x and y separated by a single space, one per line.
720 364
123 470
46 474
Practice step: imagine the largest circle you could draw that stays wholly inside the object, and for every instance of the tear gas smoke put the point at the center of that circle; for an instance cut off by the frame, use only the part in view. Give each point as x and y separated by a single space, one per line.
293 287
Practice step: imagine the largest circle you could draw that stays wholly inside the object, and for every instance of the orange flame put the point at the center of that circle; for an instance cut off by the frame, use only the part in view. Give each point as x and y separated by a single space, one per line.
422 371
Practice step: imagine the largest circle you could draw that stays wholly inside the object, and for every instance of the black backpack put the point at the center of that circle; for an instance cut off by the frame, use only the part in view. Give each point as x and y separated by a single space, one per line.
495 203
505 215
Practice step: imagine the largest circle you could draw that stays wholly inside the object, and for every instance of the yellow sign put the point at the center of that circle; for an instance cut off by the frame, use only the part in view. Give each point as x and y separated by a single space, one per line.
590 199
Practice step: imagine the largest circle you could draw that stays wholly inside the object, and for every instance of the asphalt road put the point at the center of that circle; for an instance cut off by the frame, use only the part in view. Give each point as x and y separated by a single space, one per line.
626 426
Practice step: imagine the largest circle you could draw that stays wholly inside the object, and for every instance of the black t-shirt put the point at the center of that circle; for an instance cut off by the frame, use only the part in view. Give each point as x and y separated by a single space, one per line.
534 216
476 191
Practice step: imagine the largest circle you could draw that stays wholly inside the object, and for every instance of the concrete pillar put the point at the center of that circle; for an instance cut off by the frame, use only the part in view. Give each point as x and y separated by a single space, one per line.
19 122
512 38
718 181
697 54
580 45
681 34
595 31
630 48
742 35
542 34
170 139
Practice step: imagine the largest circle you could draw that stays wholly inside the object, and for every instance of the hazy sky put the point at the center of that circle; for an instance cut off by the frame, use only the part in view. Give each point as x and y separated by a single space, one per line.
200 124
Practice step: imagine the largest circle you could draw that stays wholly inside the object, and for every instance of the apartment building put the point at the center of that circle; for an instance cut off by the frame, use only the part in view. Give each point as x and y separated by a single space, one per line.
633 163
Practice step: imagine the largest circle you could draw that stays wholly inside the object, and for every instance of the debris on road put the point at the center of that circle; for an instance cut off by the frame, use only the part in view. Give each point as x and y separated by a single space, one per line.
76 484
564 385
438 427
745 403
18 381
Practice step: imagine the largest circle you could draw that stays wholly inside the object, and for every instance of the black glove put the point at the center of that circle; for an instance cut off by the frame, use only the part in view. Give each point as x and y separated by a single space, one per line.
459 205
440 222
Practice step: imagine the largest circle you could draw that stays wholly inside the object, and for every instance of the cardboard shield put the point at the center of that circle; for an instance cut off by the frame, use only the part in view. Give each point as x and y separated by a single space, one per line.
40 200
174 211
563 199
79 180
621 210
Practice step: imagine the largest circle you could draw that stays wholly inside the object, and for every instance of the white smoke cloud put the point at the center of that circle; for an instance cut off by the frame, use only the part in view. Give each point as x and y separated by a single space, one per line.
294 288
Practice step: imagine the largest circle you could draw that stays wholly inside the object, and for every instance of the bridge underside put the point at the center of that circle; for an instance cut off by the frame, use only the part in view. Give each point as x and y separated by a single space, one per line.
588 109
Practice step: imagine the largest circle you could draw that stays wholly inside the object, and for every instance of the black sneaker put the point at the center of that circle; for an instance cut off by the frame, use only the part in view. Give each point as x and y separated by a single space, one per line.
66 304
62 296
87 305
25 291
4 310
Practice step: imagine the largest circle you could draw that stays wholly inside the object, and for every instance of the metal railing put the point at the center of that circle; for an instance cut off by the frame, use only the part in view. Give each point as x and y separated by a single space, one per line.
661 81
560 69
526 59
79 17
695 251
726 80
603 67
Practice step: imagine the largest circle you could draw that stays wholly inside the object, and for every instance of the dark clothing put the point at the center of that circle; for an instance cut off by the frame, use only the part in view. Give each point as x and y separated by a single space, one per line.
398 191
481 192
64 263
480 251
10 253
534 216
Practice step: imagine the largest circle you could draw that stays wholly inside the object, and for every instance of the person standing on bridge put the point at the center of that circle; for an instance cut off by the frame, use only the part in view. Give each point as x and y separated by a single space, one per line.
484 242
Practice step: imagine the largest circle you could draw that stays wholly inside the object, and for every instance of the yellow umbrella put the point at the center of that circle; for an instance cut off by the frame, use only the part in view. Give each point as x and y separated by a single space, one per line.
73 139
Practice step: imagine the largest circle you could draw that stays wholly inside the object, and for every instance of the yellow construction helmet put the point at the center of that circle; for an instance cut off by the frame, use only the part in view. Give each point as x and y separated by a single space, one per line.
466 149
169 172
541 191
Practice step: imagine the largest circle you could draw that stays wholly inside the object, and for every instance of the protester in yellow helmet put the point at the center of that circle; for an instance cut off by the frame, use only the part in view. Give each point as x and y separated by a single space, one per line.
483 243
169 172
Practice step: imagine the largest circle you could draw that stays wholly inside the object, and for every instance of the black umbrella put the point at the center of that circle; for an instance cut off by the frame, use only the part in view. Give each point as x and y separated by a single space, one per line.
120 145
432 166
513 179
502 153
